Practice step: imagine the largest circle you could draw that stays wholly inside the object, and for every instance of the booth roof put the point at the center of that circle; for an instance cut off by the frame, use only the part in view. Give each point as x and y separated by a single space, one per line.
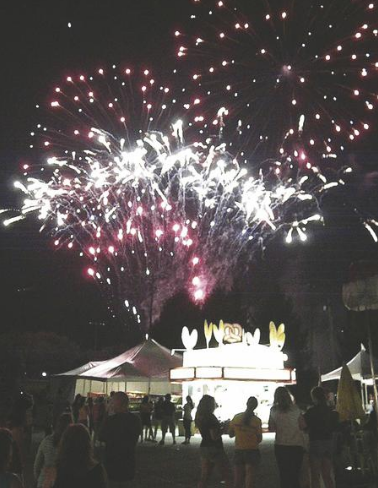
148 360
359 367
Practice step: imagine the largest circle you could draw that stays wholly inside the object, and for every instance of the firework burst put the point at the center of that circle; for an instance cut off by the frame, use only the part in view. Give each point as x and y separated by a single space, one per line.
150 214
297 77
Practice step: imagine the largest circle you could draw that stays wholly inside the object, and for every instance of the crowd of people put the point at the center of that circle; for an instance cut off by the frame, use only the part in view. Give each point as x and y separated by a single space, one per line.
66 459
290 425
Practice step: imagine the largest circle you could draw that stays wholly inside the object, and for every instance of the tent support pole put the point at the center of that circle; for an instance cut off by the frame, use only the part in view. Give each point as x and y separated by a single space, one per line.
372 364
366 395
363 395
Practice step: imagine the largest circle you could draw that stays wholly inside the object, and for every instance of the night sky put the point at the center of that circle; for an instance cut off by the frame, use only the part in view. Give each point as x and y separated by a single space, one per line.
42 289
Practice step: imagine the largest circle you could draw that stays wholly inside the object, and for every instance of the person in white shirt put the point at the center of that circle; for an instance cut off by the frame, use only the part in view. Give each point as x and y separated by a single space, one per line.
45 461
188 419
284 421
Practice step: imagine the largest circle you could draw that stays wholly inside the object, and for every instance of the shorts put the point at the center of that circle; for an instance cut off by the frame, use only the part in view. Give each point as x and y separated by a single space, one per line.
146 420
213 454
168 422
321 449
247 456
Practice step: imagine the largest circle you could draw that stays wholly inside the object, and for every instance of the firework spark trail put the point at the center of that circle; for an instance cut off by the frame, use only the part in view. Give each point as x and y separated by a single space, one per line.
151 215
297 77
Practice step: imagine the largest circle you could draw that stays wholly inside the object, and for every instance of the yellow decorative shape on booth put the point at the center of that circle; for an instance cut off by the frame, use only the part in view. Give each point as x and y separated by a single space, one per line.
277 336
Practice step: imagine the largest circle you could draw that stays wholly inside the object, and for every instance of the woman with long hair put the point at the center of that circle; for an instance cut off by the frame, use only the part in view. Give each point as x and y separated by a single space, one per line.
211 448
320 421
76 466
246 428
7 478
284 420
188 419
44 464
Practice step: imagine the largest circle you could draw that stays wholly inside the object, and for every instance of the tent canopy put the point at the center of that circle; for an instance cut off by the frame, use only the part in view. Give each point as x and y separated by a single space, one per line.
81 369
359 368
144 362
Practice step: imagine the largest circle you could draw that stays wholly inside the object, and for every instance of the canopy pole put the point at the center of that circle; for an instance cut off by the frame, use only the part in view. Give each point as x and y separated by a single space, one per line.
363 395
366 395
372 369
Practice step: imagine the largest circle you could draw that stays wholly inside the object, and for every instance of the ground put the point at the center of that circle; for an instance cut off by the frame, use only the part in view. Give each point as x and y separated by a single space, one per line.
178 465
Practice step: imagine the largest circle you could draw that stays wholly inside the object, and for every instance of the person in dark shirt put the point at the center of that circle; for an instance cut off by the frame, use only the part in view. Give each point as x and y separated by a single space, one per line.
168 420
75 407
120 432
98 416
76 466
7 478
320 422
157 415
211 448
145 411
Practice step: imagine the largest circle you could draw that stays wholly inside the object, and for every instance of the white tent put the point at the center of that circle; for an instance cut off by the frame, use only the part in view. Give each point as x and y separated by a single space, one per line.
143 369
82 369
359 367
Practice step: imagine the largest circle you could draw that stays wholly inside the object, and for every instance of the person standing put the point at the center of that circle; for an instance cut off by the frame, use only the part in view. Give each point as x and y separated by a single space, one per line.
120 432
168 420
89 406
16 425
83 412
284 421
145 411
44 463
211 448
247 430
76 466
188 419
320 421
75 407
7 478
110 406
98 416
157 415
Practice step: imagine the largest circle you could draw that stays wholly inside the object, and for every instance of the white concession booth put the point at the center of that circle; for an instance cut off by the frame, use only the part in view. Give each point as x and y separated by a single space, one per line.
235 369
